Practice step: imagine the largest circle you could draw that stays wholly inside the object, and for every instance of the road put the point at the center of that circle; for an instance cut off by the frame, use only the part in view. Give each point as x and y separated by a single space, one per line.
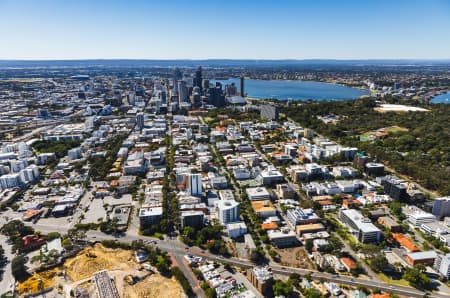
189 276
7 280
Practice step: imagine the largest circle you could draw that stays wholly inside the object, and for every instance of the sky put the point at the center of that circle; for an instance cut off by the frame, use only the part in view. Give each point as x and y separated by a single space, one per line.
232 29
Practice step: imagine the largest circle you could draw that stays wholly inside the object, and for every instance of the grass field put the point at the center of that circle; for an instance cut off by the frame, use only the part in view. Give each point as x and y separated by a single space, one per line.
397 282
395 129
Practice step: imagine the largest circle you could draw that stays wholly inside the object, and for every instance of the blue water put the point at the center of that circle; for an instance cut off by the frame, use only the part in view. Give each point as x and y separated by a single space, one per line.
443 98
296 90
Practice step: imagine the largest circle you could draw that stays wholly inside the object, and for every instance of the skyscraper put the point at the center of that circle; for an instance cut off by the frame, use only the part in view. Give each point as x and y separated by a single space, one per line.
198 78
140 120
177 75
242 86
182 91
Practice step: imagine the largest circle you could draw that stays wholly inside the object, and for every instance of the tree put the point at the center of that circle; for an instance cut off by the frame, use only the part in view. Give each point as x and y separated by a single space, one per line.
67 244
76 235
312 293
370 250
378 263
18 268
16 228
52 235
281 288
417 278
257 255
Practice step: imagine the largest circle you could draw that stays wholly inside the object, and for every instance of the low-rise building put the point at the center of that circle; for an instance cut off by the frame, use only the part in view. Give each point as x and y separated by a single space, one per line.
282 238
264 208
389 223
309 228
236 229
361 228
150 215
299 216
192 218
423 257
285 192
257 193
444 266
270 176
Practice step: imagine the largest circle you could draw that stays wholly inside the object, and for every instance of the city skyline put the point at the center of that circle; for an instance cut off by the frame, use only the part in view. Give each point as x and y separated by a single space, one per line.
56 30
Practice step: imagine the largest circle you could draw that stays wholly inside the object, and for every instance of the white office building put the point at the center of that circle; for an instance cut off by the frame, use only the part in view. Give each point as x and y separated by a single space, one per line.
29 174
228 211
194 184
441 207
360 227
420 217
10 181
74 153
18 165
444 266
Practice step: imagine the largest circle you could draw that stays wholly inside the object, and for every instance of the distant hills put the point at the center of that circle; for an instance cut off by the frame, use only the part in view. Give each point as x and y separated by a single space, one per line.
216 63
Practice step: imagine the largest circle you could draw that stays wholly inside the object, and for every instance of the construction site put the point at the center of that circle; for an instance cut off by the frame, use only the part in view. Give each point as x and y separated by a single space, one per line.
100 272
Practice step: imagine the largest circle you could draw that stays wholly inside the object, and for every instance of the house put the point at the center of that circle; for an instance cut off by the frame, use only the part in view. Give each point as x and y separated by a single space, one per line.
348 263
389 223
32 242
269 226
405 242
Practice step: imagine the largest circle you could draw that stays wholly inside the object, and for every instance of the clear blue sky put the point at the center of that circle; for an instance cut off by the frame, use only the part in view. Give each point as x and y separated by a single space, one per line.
202 29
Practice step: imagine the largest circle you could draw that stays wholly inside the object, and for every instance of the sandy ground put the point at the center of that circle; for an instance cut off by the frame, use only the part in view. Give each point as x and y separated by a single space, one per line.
94 259
120 265
39 281
154 286
295 256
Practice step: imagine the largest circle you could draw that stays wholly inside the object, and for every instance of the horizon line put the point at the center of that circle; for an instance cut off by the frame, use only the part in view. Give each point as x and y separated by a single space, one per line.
229 59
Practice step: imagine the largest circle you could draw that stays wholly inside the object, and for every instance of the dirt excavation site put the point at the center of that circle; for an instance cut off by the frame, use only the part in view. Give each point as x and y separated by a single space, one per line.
76 278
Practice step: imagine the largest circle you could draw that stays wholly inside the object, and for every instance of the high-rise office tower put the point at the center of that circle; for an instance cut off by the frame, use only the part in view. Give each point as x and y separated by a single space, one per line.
177 75
182 91
242 86
140 120
198 78
230 90
215 96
